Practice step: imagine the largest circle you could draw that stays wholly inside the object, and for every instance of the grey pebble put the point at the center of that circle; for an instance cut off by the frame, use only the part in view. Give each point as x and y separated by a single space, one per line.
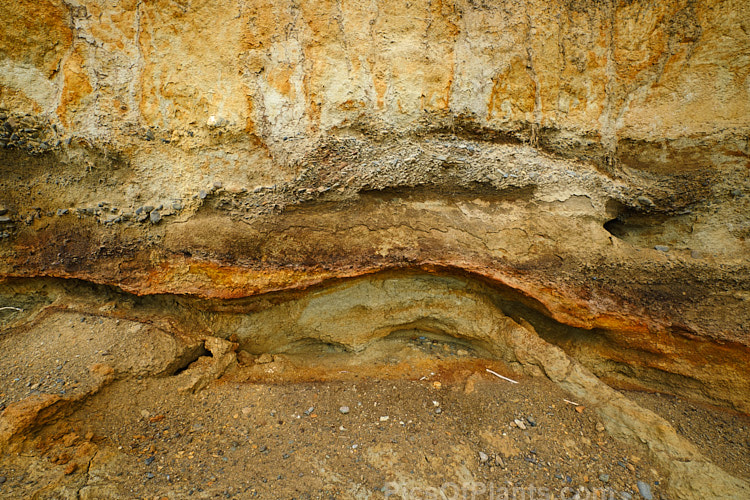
155 216
661 248
309 411
644 201
149 460
3 479
150 475
645 490
177 205
483 457
438 410
344 410
604 478
202 194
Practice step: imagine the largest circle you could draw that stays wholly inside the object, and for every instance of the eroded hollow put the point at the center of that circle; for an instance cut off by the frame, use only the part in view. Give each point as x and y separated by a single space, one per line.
383 324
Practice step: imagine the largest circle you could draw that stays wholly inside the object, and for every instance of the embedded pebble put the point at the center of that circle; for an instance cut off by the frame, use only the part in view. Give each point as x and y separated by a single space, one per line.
645 490
661 248
644 201
155 216
483 457
520 424
344 410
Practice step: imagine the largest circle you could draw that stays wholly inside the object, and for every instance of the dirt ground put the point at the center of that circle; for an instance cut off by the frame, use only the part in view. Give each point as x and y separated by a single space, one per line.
724 437
456 432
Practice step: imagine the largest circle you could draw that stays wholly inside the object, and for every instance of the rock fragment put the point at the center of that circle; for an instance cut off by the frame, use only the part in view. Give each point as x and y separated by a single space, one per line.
645 490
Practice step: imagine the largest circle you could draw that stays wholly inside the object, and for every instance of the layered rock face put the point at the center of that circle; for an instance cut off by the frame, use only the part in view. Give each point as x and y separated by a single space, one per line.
587 161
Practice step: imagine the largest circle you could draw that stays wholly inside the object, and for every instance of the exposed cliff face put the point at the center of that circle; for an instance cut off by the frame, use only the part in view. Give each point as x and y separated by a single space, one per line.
586 160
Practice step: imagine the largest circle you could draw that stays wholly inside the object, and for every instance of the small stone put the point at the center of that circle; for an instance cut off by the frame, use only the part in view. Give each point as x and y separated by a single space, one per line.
145 413
438 411
645 490
309 411
177 205
149 460
4 218
344 410
531 421
71 468
520 424
600 427
149 475
644 201
218 184
695 254
3 479
155 217
624 495
202 194
483 457
661 248
384 418
264 358
604 478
